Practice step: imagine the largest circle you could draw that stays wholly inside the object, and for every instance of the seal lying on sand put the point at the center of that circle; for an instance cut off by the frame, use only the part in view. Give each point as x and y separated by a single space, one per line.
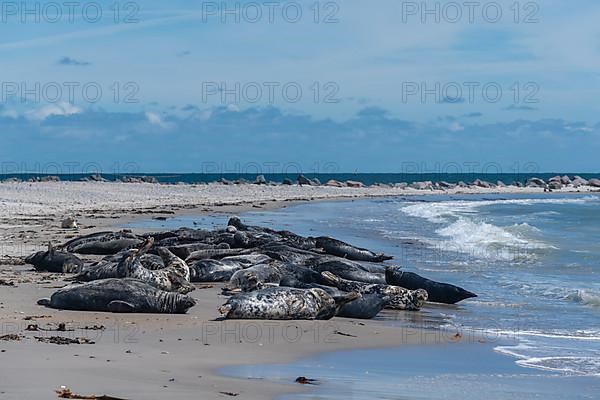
107 267
214 253
118 295
175 277
348 270
54 261
284 304
341 249
438 292
399 298
103 243
256 277
183 251
213 270
366 307
210 270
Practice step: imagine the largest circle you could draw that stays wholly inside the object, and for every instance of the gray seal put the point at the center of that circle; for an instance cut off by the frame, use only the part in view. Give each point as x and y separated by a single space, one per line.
342 249
107 267
438 292
103 243
174 277
54 261
210 270
118 295
366 307
349 270
256 277
282 303
399 298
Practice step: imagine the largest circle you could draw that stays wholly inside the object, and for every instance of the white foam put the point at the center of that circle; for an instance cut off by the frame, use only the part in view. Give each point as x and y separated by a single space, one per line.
589 366
586 335
586 296
439 211
482 239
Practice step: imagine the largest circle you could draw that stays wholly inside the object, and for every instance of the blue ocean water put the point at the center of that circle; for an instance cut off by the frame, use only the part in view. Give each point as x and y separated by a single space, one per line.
532 259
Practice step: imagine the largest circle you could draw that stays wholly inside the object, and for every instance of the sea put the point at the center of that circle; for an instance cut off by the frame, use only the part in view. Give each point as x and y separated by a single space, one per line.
533 260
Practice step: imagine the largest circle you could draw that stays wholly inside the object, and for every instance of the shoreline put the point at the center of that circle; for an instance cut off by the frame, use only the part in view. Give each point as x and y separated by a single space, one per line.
190 345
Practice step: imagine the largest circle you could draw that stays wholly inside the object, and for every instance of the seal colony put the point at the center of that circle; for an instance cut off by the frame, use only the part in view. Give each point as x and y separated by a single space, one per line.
267 274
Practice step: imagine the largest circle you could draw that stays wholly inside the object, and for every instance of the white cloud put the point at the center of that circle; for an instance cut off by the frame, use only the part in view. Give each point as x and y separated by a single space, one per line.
63 108
155 119
456 127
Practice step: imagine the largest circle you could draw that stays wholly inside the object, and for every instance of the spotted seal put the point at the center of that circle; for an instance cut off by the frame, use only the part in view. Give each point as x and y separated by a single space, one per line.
107 267
282 303
438 292
175 277
399 298
256 277
118 295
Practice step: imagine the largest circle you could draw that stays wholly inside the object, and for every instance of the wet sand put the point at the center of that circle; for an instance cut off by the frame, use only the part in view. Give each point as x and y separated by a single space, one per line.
149 356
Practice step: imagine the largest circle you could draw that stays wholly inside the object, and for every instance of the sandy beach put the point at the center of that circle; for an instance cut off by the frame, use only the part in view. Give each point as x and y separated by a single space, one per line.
154 356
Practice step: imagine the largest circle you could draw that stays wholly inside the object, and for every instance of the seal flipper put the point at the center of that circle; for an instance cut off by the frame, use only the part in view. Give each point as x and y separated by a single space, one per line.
118 306
44 302
330 279
225 309
346 298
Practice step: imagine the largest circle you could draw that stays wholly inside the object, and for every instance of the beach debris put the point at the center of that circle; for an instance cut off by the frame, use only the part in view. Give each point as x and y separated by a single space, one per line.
6 283
31 317
66 393
232 394
60 340
306 381
11 337
343 334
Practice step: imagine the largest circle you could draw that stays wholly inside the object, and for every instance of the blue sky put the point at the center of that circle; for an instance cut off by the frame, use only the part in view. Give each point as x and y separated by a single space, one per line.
380 87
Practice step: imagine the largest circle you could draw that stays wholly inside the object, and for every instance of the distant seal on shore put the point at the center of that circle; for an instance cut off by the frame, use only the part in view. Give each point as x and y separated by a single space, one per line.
118 295
174 277
54 261
69 223
399 297
282 303
342 249
438 292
